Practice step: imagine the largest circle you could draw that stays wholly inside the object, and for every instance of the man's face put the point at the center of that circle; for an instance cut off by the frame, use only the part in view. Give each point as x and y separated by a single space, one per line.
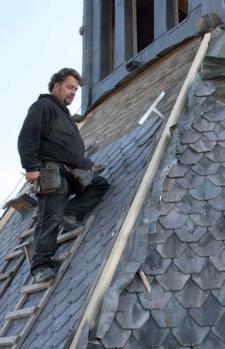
65 91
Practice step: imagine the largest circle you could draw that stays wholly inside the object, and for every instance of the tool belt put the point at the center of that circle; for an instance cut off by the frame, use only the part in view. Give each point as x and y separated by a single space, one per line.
50 179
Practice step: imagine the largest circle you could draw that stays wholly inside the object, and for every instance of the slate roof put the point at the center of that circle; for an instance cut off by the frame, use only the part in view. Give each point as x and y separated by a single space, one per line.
125 161
185 264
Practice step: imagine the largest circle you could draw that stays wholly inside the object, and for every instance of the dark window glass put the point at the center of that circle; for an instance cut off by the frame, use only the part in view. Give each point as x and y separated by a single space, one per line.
177 11
107 37
145 23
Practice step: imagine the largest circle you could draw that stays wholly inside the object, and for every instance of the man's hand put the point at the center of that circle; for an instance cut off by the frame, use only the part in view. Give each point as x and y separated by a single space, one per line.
32 177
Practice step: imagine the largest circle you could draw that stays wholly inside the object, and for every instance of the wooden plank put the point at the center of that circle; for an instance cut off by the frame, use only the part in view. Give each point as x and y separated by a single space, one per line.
4 276
26 233
51 289
20 313
70 235
15 254
6 341
35 287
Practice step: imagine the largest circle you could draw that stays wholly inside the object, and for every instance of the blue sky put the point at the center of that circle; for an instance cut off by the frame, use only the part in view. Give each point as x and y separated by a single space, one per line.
37 38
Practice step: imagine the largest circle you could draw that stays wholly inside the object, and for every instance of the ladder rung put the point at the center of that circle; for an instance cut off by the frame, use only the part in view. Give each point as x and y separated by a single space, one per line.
35 287
4 276
20 313
5 341
26 233
15 254
69 235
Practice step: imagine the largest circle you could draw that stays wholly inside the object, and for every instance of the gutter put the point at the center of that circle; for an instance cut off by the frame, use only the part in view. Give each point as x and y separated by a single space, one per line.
139 199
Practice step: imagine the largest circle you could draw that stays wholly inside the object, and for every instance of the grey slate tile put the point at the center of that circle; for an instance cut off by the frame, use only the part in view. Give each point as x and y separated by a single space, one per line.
218 179
191 295
170 316
190 206
168 183
170 342
190 232
116 337
203 125
205 191
217 230
190 181
209 313
211 341
157 334
207 246
155 264
219 294
161 236
205 167
136 285
215 136
219 328
190 157
177 171
210 277
217 154
216 113
203 145
189 262
166 207
172 248
219 260
134 317
172 279
189 333
156 299
190 136
175 194
132 344
204 88
218 203
173 220
125 300
206 218
208 104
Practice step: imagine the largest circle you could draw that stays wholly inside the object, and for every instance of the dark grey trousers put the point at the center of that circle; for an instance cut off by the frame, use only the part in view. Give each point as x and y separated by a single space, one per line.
52 207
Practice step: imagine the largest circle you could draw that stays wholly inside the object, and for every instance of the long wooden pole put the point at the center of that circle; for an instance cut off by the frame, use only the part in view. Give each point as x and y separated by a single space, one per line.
120 243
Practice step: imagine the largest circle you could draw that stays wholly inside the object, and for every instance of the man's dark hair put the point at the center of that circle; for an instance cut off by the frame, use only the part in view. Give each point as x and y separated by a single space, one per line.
62 74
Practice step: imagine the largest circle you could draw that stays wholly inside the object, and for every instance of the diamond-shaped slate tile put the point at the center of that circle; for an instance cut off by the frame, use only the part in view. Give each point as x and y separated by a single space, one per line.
168 183
219 294
165 207
180 148
177 171
172 279
205 167
219 328
207 217
215 136
151 335
206 191
160 236
203 125
212 342
176 194
209 313
203 146
155 264
156 299
170 315
217 113
217 230
116 337
189 333
219 260
173 220
132 344
189 137
136 285
208 104
125 300
207 246
189 262
217 154
134 316
170 342
190 157
218 203
210 277
190 232
222 144
219 178
190 181
191 295
172 248
204 88
190 206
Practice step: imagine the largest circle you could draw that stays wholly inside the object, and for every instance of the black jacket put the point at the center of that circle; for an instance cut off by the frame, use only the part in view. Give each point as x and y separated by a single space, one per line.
48 134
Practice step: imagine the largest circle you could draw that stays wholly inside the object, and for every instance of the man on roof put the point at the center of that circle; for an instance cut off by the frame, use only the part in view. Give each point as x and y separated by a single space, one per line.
52 153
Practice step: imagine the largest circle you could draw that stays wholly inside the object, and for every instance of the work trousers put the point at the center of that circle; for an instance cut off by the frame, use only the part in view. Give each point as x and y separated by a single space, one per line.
51 209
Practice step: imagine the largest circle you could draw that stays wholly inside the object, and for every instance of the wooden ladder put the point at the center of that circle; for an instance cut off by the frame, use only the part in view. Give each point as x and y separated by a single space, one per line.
32 313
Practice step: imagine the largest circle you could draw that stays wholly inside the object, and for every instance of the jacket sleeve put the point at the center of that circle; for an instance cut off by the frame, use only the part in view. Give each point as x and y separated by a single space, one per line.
30 135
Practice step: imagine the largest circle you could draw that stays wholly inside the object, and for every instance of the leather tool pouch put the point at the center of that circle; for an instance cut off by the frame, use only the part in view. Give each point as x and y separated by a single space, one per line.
50 178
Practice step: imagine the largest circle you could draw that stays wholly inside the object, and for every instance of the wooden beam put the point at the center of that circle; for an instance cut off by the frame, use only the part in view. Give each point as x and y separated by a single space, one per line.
35 287
15 254
7 341
70 235
20 313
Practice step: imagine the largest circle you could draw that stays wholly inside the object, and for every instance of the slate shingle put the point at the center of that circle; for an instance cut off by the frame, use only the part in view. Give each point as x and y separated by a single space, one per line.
189 137
206 191
172 248
155 264
207 246
170 316
173 220
190 157
203 146
116 337
209 313
189 262
157 334
191 295
205 167
210 277
177 171
217 155
211 341
190 232
219 328
203 125
134 316
156 299
172 279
